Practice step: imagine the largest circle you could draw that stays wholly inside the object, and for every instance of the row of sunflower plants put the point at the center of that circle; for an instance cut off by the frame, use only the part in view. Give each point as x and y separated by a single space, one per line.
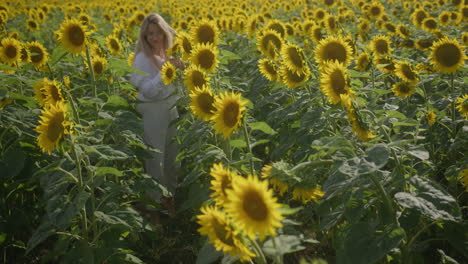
71 146
331 129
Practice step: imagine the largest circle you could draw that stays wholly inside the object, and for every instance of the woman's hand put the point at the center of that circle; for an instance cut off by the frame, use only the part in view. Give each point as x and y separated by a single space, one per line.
177 63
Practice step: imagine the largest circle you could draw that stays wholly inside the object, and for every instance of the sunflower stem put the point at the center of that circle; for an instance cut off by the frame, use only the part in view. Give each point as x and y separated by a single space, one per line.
259 251
406 249
247 140
91 71
452 90
82 186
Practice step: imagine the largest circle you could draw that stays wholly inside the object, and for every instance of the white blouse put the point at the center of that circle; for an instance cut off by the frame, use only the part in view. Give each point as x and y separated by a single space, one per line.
151 86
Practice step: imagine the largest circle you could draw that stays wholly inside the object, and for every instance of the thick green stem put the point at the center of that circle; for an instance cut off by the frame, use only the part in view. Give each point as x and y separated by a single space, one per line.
407 249
247 140
91 71
385 197
82 186
259 252
452 90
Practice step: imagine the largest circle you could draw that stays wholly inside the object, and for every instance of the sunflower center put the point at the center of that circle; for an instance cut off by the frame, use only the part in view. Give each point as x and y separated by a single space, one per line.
32 24
318 34
294 77
447 54
198 79
335 51
76 35
186 45
55 127
406 70
231 114
295 57
390 27
329 2
169 73
98 67
11 52
404 88
271 39
430 23
205 101
222 233
114 45
54 92
269 68
331 23
338 82
206 34
375 11
255 206
278 28
24 55
420 16
39 54
206 59
381 46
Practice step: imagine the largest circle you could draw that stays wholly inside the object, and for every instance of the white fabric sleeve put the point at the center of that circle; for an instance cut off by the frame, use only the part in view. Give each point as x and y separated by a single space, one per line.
150 86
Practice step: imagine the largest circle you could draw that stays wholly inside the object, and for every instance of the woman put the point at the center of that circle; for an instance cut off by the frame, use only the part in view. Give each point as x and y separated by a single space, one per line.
156 102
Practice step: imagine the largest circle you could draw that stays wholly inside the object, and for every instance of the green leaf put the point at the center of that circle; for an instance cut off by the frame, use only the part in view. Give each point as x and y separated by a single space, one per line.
289 211
419 152
14 161
45 230
121 67
226 56
208 254
106 152
30 101
284 244
108 170
116 102
365 243
238 143
430 200
3 237
262 126
377 155
110 219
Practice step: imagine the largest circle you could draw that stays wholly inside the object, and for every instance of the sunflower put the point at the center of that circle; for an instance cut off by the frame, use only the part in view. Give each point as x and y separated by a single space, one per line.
464 178
380 45
277 26
376 10
464 38
429 24
253 208
402 31
329 3
431 118
280 186
52 92
317 33
221 182
229 111
307 194
462 105
418 16
364 25
99 65
319 14
202 103
444 18
168 72
205 32
185 42
405 71
269 43
39 92
424 44
363 61
73 36
384 64
331 24
294 58
66 81
293 79
403 89
52 126
221 233
32 24
10 51
205 57
334 82
447 55
195 77
39 55
113 45
333 49
359 128
268 69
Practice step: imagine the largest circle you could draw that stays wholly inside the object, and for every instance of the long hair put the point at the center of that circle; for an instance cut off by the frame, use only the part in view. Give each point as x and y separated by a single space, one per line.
143 44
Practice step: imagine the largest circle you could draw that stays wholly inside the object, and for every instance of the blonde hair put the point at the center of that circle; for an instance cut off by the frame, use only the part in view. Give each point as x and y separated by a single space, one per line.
143 44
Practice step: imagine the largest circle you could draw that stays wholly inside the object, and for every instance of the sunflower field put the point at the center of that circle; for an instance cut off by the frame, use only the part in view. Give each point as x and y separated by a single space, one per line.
326 131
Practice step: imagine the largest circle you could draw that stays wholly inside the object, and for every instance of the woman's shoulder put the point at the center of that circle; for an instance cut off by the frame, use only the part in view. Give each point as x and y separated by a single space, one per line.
142 62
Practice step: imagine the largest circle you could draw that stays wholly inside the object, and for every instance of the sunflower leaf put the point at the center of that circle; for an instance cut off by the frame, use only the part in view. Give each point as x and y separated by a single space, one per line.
262 126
